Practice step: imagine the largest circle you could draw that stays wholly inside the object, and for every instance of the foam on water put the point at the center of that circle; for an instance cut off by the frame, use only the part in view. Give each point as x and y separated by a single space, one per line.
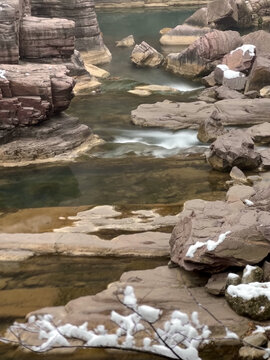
156 143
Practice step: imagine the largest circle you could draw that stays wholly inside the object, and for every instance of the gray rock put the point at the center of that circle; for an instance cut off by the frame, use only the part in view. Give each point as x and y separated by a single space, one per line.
223 92
199 18
261 39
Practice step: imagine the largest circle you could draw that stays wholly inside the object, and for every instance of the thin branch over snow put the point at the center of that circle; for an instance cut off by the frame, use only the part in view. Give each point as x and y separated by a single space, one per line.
178 338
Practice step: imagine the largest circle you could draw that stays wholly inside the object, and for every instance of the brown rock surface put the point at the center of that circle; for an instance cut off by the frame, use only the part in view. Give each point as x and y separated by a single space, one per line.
259 75
46 38
31 93
197 58
239 60
152 288
210 129
200 221
172 115
260 133
223 13
235 148
145 55
260 39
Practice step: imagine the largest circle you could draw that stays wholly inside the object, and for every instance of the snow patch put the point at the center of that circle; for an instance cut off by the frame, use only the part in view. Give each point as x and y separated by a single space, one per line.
210 244
2 74
246 48
250 291
248 269
248 202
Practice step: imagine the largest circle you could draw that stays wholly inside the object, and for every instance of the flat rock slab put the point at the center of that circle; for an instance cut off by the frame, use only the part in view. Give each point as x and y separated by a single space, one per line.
161 287
106 217
21 246
176 116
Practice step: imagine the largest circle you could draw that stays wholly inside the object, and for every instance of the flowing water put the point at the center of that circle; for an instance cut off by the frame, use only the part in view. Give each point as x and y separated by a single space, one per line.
135 167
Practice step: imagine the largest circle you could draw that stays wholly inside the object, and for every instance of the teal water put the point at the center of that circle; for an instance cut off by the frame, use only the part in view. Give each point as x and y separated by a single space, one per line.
136 165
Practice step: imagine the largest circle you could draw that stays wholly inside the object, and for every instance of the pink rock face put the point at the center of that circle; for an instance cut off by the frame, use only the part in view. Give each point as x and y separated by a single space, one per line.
46 38
87 32
239 60
197 242
196 59
31 93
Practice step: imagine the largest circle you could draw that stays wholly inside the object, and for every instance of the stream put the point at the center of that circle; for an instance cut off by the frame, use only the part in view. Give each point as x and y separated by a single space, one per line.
136 167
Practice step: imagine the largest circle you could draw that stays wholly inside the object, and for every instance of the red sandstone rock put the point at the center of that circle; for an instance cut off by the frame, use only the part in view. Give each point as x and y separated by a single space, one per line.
259 75
31 93
223 13
198 57
46 38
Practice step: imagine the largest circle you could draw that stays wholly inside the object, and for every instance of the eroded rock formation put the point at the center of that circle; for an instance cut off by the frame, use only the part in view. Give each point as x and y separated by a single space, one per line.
87 32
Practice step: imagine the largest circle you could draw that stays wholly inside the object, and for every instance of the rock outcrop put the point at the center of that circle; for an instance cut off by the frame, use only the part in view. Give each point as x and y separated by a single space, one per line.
212 236
88 38
128 41
59 138
32 93
173 115
145 55
198 58
46 38
260 39
260 74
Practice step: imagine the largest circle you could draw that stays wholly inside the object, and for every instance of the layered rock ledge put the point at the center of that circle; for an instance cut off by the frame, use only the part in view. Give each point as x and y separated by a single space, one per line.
173 115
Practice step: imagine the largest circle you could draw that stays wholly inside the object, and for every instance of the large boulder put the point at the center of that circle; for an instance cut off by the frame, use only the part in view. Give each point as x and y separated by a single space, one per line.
197 59
260 74
46 38
240 59
31 93
214 235
199 18
235 148
260 39
88 37
232 79
223 13
145 55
